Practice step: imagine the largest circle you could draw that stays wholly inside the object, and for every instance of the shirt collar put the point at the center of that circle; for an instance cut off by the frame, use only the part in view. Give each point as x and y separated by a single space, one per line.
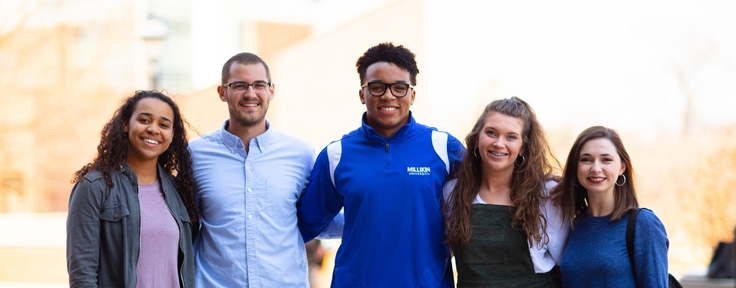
233 142
403 131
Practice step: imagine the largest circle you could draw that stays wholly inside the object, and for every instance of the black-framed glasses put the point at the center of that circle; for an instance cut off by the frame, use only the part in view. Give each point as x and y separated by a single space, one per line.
240 86
377 89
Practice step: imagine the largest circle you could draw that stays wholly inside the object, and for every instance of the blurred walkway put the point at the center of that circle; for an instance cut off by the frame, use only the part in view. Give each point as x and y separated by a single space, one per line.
324 275
32 250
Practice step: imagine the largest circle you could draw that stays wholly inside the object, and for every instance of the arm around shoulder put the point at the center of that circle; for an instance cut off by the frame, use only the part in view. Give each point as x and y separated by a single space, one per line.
334 230
557 229
456 151
320 202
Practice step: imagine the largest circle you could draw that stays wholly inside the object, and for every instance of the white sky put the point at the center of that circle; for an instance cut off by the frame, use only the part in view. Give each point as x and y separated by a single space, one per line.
583 63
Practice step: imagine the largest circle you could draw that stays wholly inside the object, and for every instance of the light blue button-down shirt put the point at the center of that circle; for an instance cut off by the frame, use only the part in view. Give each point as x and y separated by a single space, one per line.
247 203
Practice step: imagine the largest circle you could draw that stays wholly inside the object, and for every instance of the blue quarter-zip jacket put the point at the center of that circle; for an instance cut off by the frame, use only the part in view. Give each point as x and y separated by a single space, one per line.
391 190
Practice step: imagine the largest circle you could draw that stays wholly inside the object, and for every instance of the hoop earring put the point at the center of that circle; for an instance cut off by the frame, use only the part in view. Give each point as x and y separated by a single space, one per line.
475 152
576 183
516 162
622 184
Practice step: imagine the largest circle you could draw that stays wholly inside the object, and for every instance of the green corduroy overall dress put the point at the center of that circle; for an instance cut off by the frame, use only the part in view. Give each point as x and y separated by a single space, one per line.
497 255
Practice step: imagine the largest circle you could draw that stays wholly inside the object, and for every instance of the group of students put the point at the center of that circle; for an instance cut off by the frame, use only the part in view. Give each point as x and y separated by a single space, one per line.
234 207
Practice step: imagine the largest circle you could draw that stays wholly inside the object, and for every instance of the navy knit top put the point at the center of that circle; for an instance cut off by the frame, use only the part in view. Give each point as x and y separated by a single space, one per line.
596 253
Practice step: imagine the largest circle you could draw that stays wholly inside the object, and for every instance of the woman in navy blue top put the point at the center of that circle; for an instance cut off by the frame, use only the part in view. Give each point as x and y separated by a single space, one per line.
596 194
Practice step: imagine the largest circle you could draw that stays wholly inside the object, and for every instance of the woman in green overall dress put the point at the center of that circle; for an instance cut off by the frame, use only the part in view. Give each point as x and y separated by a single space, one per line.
503 228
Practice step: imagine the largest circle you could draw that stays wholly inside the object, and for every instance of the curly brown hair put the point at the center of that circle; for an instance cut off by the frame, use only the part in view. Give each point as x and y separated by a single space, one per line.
113 149
527 181
573 197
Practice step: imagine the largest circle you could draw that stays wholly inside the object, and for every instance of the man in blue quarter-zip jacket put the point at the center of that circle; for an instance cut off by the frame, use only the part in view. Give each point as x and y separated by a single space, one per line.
388 176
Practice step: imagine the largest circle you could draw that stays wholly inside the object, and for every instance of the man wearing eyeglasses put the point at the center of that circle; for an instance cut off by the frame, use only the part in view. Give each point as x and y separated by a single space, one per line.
248 178
388 176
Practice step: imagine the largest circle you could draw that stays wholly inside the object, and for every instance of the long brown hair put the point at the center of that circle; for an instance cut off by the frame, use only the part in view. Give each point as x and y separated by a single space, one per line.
113 150
527 181
573 197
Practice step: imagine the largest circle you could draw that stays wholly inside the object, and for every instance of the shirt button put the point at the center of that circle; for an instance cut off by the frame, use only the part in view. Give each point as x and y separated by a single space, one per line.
252 270
249 190
250 216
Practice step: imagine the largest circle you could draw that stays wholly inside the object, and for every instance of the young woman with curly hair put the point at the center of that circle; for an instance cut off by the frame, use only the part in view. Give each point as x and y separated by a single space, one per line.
132 214
503 228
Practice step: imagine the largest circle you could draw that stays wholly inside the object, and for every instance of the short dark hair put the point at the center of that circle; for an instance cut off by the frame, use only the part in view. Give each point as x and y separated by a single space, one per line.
387 52
243 58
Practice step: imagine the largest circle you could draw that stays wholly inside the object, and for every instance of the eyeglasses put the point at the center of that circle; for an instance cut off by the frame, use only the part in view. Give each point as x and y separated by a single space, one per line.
379 88
258 86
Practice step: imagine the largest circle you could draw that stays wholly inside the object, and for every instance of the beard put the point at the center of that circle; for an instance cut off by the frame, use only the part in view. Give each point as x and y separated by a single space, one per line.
248 119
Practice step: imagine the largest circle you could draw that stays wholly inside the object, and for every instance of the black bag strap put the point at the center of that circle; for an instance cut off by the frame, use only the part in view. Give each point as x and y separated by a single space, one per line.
630 229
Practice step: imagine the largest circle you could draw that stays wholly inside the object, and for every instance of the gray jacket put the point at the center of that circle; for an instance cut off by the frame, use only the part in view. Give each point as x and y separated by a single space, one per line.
103 230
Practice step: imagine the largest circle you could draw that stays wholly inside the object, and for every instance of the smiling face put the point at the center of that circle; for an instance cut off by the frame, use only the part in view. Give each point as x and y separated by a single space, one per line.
500 142
386 113
599 166
149 131
247 108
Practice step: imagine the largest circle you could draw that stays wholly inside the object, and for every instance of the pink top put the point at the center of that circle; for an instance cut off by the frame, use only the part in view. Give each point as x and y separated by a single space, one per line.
157 262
